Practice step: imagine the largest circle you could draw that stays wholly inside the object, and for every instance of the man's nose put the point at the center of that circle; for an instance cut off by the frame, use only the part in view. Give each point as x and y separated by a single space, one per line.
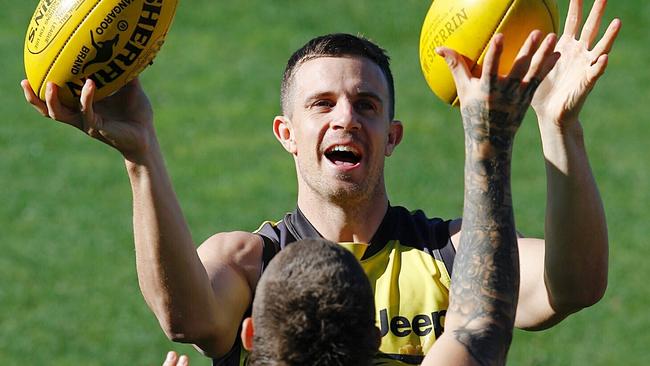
345 117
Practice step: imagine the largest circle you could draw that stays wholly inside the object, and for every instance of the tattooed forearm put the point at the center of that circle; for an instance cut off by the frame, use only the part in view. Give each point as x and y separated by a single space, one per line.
485 282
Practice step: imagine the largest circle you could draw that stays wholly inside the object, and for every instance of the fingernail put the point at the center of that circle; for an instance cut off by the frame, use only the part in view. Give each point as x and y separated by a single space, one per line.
170 356
441 53
183 361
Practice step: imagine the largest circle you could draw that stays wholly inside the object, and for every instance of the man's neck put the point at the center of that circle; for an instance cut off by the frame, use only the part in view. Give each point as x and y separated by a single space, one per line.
350 223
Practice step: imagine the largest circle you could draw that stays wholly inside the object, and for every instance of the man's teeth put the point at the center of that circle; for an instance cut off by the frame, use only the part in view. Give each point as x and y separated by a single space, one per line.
340 148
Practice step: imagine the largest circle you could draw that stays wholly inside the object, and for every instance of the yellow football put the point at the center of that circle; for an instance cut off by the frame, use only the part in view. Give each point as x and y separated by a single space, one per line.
467 26
108 41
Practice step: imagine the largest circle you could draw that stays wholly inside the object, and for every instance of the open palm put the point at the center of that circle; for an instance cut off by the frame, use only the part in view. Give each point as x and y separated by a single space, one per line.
561 95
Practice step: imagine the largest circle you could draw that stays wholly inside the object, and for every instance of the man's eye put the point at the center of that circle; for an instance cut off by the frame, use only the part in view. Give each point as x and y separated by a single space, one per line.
323 103
365 105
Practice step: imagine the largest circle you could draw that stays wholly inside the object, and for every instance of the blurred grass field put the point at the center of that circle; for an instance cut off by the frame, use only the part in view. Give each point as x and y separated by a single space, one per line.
68 288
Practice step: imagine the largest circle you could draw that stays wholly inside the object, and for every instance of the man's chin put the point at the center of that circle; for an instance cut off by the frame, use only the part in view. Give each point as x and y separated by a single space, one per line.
346 190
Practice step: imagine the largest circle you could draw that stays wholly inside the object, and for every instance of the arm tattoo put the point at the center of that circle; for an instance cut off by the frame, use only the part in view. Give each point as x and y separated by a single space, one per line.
485 282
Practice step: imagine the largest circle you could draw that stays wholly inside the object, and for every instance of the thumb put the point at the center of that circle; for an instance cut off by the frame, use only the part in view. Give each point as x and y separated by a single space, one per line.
91 124
459 69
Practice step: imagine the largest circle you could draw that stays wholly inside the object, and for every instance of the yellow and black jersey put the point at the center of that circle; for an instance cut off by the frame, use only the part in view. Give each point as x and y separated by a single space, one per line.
408 262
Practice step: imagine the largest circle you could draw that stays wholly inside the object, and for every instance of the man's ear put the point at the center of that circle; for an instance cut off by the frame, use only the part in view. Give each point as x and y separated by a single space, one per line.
395 133
247 333
283 131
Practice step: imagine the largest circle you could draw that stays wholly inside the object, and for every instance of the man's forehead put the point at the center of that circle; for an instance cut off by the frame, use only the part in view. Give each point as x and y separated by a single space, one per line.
359 73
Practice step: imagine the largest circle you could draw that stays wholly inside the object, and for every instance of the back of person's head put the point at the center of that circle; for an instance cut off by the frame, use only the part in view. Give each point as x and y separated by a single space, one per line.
337 45
314 306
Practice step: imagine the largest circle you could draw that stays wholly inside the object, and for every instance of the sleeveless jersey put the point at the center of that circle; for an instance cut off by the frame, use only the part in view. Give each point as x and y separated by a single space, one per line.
408 262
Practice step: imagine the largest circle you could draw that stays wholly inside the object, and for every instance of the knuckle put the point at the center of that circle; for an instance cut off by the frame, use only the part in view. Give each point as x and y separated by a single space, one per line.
451 61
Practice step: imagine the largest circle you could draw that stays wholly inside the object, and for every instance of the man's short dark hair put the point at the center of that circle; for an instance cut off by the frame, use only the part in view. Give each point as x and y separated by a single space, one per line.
338 45
314 306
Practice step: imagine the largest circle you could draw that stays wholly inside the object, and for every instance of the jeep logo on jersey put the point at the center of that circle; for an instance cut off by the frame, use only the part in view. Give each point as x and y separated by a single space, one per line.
420 324
115 67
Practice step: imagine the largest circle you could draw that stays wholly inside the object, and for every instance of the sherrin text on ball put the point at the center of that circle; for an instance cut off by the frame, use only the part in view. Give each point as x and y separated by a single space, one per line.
467 26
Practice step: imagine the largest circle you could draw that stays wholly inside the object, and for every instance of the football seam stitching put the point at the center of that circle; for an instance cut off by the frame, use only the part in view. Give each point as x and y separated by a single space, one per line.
65 44
550 13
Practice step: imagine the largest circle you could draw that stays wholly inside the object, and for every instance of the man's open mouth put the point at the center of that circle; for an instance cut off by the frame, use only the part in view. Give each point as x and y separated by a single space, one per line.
343 155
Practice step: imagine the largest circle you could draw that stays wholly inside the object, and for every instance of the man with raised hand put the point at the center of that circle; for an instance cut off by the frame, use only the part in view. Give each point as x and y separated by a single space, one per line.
314 303
485 282
338 125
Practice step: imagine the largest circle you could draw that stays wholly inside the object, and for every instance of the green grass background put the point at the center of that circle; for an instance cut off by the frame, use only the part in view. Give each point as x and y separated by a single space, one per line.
68 288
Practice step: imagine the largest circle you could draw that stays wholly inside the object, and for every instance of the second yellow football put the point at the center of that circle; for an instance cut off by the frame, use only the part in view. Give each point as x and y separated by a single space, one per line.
467 27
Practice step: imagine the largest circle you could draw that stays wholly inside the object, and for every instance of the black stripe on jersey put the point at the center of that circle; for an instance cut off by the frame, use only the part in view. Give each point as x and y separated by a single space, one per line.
412 229
385 358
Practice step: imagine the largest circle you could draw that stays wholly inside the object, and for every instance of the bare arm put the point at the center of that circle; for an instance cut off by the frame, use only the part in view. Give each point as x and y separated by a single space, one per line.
485 282
198 297
576 245
567 270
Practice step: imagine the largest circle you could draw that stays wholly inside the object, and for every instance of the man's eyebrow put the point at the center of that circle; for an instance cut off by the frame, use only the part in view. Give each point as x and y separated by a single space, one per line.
360 94
317 95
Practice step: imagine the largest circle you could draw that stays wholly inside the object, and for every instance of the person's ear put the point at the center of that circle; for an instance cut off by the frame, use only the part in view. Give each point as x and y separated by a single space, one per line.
247 333
395 133
283 131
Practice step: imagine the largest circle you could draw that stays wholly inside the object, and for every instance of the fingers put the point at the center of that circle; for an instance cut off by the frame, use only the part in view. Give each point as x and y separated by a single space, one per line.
543 60
52 106
57 111
459 69
87 110
592 24
598 68
573 19
491 61
525 55
183 361
605 44
174 360
32 99
171 359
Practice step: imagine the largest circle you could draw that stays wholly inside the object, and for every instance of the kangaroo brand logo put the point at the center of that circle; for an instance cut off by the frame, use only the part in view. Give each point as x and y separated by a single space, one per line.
421 324
116 66
103 50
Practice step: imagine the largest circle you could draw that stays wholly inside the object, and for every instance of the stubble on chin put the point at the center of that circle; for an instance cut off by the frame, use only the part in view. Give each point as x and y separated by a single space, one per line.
343 189
349 192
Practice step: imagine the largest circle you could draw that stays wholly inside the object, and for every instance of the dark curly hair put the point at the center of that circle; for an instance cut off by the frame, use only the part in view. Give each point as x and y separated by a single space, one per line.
314 306
338 45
